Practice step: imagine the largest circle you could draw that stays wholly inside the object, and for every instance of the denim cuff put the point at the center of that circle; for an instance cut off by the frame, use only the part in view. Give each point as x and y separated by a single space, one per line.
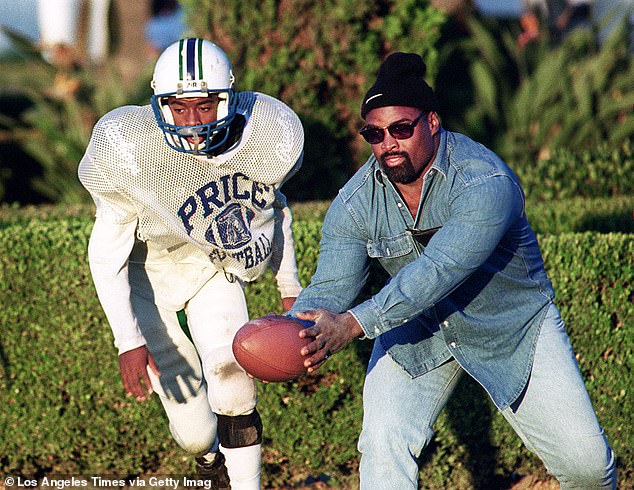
368 316
364 336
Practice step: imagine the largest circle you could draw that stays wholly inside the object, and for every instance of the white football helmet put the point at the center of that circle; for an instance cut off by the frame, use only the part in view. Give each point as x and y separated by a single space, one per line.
194 68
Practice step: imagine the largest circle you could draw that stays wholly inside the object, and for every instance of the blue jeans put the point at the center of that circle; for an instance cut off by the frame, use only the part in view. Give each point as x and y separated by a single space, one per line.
554 417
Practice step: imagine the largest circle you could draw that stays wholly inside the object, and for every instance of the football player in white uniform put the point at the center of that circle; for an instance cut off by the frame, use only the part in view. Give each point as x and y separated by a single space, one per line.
189 208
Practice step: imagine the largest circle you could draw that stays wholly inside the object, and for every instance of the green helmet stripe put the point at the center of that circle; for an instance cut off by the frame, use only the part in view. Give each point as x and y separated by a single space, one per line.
200 59
180 59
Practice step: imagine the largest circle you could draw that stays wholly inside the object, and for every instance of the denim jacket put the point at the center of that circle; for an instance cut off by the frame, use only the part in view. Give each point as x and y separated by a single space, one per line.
477 291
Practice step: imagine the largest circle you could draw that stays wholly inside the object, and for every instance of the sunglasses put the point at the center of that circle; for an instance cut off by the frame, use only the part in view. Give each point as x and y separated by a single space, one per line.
401 131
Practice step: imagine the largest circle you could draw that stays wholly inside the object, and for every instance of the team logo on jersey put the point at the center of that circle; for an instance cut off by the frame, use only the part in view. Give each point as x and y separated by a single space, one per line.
222 211
234 232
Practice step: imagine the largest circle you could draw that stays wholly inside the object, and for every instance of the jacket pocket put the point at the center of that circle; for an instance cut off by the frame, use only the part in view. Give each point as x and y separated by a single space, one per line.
390 247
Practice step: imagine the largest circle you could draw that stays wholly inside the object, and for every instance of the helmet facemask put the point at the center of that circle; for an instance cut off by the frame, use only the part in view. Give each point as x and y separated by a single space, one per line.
210 136
193 68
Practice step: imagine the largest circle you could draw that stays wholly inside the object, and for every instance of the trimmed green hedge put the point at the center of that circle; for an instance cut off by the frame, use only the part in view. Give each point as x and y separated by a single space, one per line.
580 214
603 171
64 408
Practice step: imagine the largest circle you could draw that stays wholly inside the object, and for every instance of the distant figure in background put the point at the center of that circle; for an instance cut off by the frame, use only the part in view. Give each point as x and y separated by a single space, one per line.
98 32
58 21
166 25
561 17
59 30
568 15
533 14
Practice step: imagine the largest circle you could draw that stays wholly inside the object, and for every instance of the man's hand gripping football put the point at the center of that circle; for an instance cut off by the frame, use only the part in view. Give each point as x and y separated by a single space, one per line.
331 333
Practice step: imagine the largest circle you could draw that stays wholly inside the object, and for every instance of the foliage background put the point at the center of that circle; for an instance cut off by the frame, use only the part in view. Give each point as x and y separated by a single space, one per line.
320 56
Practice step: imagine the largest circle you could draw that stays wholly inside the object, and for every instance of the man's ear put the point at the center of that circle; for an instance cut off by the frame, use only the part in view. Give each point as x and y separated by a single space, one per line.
433 122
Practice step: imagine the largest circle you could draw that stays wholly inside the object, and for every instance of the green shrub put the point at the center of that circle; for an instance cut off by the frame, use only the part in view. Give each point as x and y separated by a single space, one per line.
603 171
582 214
14 214
526 103
579 95
51 125
65 409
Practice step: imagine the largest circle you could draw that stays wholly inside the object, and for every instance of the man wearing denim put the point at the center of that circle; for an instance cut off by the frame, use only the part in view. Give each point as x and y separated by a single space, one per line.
445 217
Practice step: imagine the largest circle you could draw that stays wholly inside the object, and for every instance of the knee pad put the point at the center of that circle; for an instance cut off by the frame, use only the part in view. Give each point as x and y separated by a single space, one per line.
240 431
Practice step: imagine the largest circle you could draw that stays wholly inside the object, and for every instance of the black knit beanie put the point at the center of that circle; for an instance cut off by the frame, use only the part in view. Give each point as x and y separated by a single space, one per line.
400 83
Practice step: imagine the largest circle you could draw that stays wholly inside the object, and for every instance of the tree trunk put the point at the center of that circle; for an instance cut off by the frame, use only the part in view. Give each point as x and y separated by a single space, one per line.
131 16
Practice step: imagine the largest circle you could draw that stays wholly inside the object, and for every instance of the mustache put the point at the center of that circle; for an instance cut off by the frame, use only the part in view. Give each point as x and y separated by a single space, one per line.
389 154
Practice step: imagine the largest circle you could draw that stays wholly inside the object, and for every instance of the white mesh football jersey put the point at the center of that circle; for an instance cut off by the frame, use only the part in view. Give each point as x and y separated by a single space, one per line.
192 206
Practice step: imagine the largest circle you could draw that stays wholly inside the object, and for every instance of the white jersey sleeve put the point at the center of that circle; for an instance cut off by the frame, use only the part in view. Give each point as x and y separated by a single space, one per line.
283 262
111 204
108 252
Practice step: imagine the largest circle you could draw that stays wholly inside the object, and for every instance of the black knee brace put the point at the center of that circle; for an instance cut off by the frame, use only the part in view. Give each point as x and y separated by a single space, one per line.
240 431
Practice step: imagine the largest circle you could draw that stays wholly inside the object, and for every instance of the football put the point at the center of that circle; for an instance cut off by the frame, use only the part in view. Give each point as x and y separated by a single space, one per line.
268 348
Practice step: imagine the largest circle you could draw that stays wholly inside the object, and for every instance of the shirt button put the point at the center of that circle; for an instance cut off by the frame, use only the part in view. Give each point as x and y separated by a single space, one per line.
400 204
453 345
445 323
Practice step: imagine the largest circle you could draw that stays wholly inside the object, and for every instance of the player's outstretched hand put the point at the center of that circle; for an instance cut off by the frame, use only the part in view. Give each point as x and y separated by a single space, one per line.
331 333
133 366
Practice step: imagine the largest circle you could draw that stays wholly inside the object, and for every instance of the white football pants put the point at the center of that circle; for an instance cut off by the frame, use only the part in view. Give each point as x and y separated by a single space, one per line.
199 377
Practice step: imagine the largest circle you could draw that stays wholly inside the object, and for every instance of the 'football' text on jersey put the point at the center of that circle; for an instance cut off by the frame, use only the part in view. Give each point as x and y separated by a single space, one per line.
250 256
